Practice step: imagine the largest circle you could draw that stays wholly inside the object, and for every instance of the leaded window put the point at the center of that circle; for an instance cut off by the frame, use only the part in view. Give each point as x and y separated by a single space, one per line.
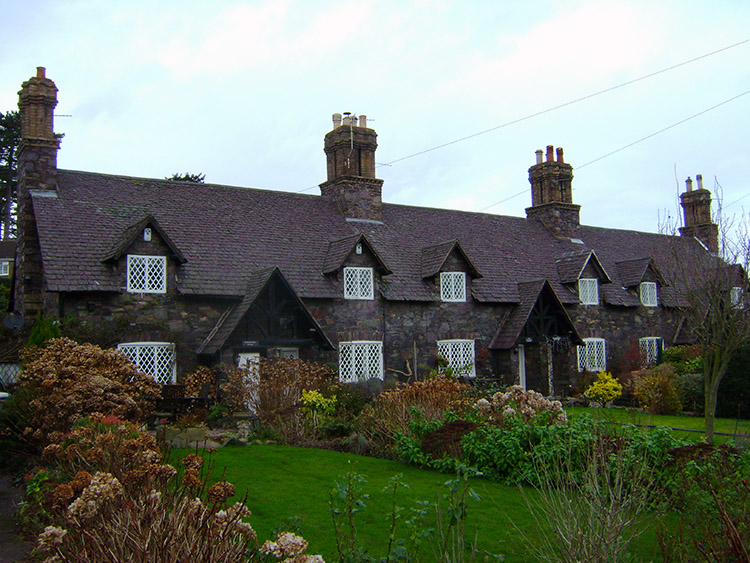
735 298
647 292
458 355
360 361
147 274
4 267
592 356
651 349
453 286
588 291
156 359
358 283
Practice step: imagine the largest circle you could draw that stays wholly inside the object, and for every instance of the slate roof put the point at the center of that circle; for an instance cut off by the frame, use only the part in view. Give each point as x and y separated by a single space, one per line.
8 249
227 234
127 237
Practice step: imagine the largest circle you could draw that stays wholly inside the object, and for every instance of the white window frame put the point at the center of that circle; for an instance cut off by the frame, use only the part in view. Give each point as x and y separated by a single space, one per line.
155 359
360 360
4 268
453 287
592 356
459 354
650 346
736 299
147 274
648 294
588 291
359 283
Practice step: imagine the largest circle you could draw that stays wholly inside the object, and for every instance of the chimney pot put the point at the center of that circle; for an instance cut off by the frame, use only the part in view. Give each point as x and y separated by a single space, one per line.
336 120
539 156
560 155
550 153
699 177
363 121
40 71
689 184
347 119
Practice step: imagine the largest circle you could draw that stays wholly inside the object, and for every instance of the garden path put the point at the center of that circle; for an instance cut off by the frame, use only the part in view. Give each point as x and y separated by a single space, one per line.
13 548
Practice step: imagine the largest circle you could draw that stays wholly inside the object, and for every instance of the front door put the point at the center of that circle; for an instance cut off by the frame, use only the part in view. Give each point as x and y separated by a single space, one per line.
250 361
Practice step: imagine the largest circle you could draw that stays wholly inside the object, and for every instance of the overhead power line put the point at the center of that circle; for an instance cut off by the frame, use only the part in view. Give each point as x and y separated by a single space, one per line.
622 148
568 103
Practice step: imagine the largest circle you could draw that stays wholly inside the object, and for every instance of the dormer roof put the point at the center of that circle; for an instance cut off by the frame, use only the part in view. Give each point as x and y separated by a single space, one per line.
340 249
434 258
127 237
570 266
633 272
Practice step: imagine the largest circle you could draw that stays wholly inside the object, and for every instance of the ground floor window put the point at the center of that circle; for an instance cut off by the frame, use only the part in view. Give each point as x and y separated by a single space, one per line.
9 374
651 349
360 361
156 359
459 355
593 355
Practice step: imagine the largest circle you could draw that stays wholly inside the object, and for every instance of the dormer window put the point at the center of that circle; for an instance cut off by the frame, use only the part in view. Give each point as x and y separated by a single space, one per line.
647 291
147 274
588 291
453 286
358 283
735 298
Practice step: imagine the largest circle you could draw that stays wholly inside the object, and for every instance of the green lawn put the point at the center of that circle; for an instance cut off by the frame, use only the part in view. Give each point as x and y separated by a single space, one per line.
283 482
632 416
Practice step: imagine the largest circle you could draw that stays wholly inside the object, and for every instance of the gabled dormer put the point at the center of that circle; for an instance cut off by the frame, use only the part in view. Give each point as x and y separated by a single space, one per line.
583 273
450 266
642 278
142 254
355 261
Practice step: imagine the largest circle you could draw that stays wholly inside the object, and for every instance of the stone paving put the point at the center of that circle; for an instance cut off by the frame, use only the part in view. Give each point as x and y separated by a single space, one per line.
12 546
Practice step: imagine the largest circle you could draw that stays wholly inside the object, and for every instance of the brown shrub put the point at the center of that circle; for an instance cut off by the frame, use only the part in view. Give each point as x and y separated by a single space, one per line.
69 381
273 391
391 412
446 440
656 389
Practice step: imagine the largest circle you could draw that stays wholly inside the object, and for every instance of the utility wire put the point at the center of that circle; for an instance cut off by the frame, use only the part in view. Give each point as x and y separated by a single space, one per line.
566 104
672 126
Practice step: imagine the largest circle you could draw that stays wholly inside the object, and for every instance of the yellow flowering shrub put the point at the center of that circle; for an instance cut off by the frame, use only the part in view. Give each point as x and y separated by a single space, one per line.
605 389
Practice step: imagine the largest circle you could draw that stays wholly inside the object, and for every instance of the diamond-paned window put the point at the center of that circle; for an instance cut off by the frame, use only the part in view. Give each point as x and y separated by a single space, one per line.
459 355
156 359
588 291
453 286
360 361
593 355
358 283
647 292
147 274
651 349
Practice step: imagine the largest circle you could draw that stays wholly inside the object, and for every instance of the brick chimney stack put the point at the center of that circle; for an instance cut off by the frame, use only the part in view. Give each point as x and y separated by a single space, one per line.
696 209
350 156
37 170
552 193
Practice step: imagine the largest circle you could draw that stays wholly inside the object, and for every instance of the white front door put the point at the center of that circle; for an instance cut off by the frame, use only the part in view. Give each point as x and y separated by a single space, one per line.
250 361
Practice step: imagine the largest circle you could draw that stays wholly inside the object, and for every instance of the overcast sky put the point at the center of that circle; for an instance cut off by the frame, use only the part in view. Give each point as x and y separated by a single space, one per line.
243 91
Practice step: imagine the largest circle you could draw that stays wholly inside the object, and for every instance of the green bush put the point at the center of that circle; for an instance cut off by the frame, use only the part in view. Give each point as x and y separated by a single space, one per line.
656 389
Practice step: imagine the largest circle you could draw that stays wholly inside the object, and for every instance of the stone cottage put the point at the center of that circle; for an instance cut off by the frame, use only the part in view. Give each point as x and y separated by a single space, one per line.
179 274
